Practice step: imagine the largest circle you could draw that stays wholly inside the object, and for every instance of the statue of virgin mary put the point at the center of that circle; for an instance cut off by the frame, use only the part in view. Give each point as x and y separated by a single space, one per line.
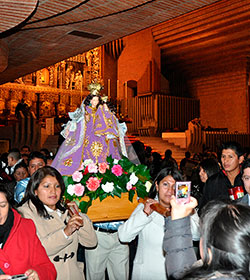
93 132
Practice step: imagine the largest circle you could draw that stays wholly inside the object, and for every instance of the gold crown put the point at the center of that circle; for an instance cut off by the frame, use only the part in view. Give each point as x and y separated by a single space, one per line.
95 88
104 98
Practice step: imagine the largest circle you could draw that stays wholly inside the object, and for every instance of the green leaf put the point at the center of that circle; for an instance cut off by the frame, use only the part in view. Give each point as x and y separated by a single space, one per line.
131 195
141 192
117 192
110 160
84 206
103 196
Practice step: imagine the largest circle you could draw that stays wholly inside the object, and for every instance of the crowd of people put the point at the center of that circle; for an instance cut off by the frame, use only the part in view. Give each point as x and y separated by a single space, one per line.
41 237
217 214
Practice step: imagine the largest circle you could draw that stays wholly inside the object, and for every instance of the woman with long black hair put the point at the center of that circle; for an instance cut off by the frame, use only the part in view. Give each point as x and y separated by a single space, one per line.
148 225
21 252
59 231
224 244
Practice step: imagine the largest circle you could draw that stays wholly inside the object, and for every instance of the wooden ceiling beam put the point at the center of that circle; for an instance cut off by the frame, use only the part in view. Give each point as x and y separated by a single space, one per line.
218 30
203 18
208 47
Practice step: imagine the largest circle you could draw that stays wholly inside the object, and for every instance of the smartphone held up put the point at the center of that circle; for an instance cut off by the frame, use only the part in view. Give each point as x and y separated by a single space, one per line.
19 277
74 211
182 192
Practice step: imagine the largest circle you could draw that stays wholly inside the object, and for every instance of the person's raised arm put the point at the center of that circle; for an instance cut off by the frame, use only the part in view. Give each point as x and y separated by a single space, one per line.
179 211
177 243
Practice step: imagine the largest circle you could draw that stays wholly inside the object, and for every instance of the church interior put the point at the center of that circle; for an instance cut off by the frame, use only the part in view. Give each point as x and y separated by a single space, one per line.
177 71
123 123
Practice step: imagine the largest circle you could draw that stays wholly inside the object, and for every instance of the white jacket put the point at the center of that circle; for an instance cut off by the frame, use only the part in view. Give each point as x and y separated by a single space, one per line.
149 262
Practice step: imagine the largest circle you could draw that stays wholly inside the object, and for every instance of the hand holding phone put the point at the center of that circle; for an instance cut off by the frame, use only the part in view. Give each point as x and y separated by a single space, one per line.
19 277
182 192
179 211
73 209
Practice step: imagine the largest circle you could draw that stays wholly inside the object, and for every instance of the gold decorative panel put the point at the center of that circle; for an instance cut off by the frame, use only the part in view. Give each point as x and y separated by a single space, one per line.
59 88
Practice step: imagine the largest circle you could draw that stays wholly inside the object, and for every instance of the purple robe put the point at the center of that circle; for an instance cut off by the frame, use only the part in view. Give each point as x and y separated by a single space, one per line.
95 135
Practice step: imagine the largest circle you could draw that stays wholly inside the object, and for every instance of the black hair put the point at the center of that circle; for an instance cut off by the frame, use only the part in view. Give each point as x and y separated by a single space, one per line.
33 185
8 190
36 154
111 107
245 164
25 146
139 149
225 230
168 153
172 171
45 152
148 149
21 164
90 97
210 166
156 157
187 154
235 146
155 166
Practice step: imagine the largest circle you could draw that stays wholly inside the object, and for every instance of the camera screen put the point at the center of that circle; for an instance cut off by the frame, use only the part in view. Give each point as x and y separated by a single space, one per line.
182 191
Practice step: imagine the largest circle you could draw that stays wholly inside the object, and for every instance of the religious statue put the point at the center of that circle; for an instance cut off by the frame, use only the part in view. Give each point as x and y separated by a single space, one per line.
78 80
69 77
92 133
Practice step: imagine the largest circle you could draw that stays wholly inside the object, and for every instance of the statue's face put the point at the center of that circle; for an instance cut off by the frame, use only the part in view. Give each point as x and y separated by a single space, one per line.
94 101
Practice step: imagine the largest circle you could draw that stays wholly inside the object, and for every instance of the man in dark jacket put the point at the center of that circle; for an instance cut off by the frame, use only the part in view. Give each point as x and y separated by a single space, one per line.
219 185
245 171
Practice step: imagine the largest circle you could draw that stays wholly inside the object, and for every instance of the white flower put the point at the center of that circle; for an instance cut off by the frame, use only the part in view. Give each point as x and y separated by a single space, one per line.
92 168
148 186
116 161
133 179
70 189
87 162
108 187
129 186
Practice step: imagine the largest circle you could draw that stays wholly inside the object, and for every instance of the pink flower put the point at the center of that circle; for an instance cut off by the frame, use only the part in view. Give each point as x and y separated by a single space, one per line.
129 186
77 176
117 170
103 167
79 189
81 167
93 183
92 168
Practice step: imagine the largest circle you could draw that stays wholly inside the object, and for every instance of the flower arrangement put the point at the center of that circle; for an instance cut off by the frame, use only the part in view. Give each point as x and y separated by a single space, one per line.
111 178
